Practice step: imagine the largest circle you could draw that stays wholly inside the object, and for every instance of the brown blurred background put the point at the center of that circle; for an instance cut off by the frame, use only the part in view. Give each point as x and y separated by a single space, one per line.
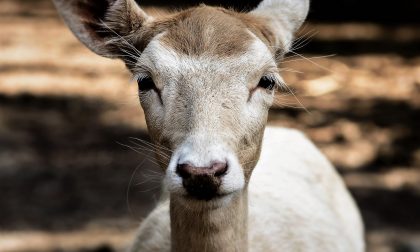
68 183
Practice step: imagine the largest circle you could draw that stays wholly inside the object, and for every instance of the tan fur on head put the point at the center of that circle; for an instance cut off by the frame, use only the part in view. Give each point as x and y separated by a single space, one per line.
206 64
106 26
206 79
207 30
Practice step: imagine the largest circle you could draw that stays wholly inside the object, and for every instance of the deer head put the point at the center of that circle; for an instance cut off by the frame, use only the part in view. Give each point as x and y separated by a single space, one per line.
206 80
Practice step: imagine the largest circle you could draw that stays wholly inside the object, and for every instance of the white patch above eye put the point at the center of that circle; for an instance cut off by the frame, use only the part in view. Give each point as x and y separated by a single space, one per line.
167 63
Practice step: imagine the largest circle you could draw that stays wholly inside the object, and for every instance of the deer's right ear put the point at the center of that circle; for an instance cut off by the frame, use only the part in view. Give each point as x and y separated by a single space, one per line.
102 25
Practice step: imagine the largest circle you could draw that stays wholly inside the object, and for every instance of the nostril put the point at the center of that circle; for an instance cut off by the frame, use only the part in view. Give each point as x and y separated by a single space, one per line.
186 171
219 169
202 183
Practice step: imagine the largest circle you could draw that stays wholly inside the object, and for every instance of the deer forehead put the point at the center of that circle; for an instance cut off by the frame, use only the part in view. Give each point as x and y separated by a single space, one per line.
165 61
207 39
208 30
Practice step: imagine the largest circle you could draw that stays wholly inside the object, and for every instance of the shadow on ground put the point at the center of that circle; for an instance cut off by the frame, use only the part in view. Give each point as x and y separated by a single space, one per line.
61 167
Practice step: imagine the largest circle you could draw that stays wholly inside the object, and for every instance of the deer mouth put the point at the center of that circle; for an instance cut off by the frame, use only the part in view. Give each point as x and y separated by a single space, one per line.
212 201
202 187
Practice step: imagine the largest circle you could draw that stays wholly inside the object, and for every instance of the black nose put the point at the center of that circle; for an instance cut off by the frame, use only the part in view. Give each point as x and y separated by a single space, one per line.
202 182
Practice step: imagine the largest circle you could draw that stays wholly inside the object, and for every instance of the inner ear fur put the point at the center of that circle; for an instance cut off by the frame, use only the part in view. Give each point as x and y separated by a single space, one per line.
283 18
103 26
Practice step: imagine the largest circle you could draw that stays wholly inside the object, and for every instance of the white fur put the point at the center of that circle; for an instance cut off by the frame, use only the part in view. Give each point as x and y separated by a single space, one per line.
158 58
206 144
285 17
297 202
200 152
209 109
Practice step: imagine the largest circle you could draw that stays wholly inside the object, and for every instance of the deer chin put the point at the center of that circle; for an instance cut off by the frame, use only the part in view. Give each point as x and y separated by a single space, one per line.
192 203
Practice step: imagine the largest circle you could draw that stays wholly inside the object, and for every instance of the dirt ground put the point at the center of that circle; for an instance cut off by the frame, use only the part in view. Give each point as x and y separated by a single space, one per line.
68 183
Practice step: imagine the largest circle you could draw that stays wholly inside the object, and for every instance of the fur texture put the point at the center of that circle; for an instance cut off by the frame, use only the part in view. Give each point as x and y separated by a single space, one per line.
284 17
207 106
297 202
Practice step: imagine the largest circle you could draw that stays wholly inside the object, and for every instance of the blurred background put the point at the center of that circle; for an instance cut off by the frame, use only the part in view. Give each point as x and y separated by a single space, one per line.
69 183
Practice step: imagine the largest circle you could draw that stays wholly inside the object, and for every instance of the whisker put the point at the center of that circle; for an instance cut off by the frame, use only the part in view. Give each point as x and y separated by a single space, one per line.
147 148
151 144
150 189
123 39
306 58
149 179
289 106
121 55
306 38
311 61
300 103
290 70
129 185
155 161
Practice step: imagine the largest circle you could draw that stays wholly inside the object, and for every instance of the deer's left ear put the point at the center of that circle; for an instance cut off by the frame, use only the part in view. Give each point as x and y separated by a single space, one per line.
284 19
102 25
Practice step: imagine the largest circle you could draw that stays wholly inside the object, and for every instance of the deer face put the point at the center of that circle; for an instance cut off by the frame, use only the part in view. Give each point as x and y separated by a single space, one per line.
209 105
206 81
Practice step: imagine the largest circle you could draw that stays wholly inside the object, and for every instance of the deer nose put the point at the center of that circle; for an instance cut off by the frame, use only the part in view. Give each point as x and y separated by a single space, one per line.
216 169
202 182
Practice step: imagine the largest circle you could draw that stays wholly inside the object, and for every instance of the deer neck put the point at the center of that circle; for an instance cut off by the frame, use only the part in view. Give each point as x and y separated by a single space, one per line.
222 229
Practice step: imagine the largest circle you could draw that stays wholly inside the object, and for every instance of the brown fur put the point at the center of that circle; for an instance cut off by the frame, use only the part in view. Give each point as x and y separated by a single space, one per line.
199 30
212 230
209 30
259 27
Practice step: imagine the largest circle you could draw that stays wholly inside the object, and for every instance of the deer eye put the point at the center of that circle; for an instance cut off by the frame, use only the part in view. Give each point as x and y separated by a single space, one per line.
146 83
267 83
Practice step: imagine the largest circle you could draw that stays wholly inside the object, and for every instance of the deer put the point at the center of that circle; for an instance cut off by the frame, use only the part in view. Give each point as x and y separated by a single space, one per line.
206 78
